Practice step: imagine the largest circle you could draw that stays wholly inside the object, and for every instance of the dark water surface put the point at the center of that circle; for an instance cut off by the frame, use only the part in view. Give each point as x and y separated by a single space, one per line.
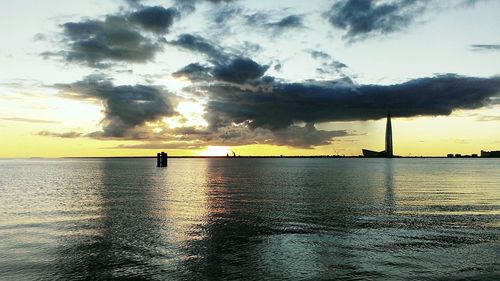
252 219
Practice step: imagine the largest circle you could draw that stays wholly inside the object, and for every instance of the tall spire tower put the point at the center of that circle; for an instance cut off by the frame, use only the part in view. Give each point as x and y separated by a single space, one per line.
388 137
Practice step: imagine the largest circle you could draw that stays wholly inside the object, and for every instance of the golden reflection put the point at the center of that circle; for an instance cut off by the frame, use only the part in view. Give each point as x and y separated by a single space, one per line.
183 185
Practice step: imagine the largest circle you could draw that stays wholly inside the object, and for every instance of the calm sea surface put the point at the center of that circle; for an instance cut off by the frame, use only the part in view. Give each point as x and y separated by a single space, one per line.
252 219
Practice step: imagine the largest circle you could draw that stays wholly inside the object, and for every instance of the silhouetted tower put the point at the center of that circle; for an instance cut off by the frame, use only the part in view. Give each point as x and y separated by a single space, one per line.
388 137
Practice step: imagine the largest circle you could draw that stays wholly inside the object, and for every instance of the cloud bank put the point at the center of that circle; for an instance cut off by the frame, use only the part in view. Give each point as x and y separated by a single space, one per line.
278 105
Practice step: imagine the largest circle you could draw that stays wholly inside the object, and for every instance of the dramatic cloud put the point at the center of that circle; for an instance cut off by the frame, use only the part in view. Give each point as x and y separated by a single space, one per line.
67 135
239 70
156 19
225 67
279 105
98 42
370 17
270 112
134 37
240 104
485 47
126 108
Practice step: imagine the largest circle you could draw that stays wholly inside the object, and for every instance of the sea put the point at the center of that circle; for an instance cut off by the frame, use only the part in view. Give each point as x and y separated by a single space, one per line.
250 219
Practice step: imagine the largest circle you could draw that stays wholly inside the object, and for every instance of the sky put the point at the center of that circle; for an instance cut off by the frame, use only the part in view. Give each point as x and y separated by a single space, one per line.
213 77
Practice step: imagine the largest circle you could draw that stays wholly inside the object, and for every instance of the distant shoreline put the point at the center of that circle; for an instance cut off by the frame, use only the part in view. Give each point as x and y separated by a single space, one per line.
244 157
268 156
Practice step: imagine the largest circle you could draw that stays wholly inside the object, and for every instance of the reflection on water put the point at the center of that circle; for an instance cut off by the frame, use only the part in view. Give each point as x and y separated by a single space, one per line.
126 238
389 199
202 219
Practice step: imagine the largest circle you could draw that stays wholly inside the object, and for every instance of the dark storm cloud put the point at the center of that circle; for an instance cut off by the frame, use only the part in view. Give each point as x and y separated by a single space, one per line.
67 135
370 17
225 67
156 19
485 47
133 37
282 104
126 108
98 42
239 70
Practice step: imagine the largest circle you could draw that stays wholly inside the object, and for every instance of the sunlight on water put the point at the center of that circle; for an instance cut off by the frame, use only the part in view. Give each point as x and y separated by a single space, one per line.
200 219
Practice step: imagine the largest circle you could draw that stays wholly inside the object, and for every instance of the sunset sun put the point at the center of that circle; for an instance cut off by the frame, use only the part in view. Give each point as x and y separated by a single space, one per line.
216 151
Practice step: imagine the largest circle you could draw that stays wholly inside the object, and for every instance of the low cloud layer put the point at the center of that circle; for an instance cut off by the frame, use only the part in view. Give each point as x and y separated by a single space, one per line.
280 105
66 135
191 138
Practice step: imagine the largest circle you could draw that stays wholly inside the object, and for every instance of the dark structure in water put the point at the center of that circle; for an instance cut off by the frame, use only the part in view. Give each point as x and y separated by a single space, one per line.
388 152
161 159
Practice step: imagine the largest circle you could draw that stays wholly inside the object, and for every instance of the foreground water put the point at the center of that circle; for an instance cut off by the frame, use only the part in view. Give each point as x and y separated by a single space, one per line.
254 219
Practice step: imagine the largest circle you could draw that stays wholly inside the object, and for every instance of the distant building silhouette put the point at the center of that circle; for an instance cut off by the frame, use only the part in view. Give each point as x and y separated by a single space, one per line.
388 152
388 137
490 153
